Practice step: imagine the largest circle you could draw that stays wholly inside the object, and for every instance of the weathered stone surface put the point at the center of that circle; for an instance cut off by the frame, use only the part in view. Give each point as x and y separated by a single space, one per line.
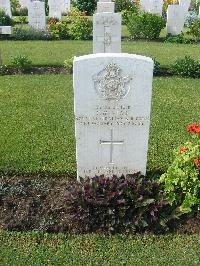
5 5
36 15
112 113
106 33
175 19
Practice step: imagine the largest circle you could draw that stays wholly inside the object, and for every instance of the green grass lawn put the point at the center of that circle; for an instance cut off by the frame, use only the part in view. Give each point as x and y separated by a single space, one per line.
37 122
37 249
55 52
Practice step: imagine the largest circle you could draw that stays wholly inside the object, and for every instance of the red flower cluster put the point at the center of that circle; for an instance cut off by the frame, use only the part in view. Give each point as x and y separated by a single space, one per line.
182 150
194 128
52 21
197 162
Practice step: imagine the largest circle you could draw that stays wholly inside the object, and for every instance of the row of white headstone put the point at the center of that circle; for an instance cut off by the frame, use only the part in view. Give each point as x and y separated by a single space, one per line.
112 103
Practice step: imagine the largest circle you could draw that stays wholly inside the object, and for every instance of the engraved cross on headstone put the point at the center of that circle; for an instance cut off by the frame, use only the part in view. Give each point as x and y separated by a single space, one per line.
107 39
111 142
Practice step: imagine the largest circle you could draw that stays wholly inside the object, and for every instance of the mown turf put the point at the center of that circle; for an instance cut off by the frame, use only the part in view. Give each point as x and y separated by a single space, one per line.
55 52
37 249
37 122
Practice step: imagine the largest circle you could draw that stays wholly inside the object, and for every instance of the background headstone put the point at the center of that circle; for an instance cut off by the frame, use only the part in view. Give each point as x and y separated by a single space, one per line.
112 112
105 6
55 9
5 5
65 7
156 7
152 6
106 33
185 4
175 19
36 15
24 3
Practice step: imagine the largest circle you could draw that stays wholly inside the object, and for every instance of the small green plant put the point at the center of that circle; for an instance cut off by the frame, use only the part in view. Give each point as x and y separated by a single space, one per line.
177 39
68 65
194 30
144 25
80 28
5 20
182 180
186 67
27 33
130 204
21 62
157 67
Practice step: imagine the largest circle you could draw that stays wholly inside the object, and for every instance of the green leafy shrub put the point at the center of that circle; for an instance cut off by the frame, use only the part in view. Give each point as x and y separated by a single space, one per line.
27 33
186 67
130 204
58 30
194 30
125 5
21 62
80 28
177 39
22 19
68 65
182 180
5 20
88 7
144 25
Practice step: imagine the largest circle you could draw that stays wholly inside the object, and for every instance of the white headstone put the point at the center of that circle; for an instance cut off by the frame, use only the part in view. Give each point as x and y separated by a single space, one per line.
185 4
106 33
55 9
156 7
65 8
5 5
112 113
36 15
145 5
5 30
199 13
152 6
175 19
24 3
105 6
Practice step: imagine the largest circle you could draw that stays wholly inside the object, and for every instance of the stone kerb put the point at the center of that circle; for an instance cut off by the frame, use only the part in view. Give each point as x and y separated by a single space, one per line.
112 113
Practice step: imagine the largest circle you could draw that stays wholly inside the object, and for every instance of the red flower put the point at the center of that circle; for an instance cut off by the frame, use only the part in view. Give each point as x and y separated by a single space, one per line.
197 162
52 21
194 128
183 149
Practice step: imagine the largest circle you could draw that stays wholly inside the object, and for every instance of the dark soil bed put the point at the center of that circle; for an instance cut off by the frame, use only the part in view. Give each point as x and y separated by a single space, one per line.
37 202
36 70
33 70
